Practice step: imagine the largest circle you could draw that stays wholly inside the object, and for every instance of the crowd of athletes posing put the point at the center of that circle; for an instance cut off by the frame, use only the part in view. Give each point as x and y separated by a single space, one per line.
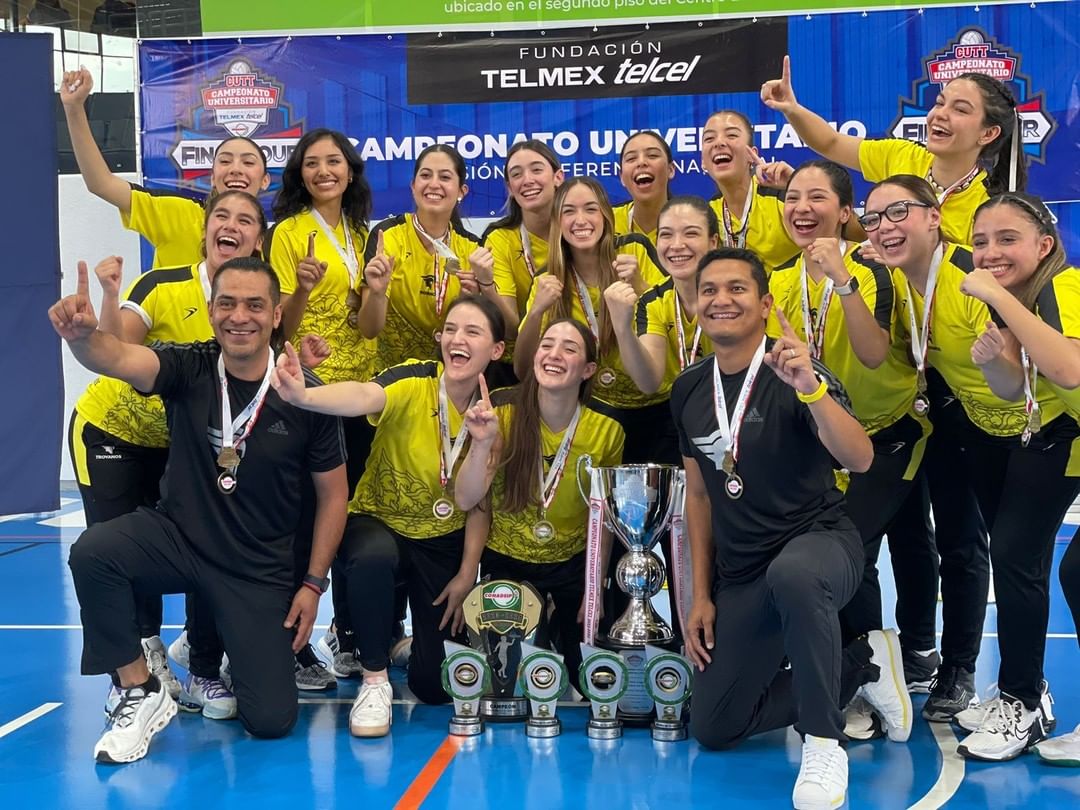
824 378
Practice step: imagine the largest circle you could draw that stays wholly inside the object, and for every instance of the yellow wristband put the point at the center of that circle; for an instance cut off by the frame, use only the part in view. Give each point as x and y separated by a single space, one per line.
814 395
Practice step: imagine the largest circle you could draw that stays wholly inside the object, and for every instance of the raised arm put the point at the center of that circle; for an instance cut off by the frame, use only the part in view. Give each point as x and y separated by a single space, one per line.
337 399
75 86
640 358
473 478
777 94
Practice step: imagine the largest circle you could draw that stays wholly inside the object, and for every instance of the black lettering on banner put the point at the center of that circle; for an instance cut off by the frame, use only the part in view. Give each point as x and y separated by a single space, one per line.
722 56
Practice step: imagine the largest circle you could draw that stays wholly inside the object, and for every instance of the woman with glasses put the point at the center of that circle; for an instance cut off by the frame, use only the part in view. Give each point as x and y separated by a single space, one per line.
974 145
843 307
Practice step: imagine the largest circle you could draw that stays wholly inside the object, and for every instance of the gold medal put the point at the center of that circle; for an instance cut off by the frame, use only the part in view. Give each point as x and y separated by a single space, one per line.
727 463
543 531
443 508
228 458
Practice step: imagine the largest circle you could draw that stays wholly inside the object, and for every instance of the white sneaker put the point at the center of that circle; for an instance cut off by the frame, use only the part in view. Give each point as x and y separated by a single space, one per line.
180 651
209 696
112 700
889 694
328 645
1007 731
971 719
860 722
371 713
823 775
137 717
158 662
1063 750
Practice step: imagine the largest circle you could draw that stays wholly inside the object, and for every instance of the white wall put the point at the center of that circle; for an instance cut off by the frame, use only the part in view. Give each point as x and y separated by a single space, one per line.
90 229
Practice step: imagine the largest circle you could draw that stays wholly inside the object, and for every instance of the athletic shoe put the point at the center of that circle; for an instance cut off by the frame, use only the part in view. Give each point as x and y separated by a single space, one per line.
919 669
311 673
1007 731
823 775
1063 750
888 694
180 651
860 722
209 696
137 717
112 700
971 719
401 652
951 692
158 662
371 713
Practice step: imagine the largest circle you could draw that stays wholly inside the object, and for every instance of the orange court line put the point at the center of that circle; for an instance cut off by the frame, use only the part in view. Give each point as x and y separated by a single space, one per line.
426 779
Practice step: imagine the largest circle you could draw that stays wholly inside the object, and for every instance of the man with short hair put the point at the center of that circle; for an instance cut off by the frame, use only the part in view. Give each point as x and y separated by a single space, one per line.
230 504
761 427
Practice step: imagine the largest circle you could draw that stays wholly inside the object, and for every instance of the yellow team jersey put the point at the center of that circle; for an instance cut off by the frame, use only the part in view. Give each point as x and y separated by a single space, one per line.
765 233
956 321
327 312
879 396
411 315
656 315
613 384
1058 305
509 253
172 223
598 436
879 159
400 484
172 302
624 221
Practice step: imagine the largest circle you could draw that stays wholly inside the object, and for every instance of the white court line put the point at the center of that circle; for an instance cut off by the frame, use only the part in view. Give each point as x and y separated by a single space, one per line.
28 718
952 770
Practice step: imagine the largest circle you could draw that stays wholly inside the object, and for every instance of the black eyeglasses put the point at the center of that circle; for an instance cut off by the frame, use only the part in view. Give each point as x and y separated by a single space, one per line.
894 212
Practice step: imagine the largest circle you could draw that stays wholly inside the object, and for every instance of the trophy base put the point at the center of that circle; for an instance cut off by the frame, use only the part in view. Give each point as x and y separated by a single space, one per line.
599 729
669 731
636 707
504 709
466 726
543 727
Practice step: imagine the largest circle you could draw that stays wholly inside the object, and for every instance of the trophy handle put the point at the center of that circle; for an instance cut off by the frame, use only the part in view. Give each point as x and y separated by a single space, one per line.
585 460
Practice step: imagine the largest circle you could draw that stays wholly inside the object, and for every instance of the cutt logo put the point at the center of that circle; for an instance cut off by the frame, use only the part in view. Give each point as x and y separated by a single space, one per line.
974 52
241 101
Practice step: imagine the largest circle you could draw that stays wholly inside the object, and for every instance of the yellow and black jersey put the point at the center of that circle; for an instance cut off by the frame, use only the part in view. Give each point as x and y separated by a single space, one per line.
327 312
765 234
509 253
172 223
879 159
879 396
613 384
400 484
411 316
656 315
598 436
1058 305
956 321
172 302
624 222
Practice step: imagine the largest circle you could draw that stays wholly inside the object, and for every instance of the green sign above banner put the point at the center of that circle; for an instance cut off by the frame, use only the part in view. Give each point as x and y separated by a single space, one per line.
289 16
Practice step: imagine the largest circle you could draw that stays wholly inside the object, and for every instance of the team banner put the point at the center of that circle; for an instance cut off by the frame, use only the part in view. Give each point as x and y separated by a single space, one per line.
288 16
584 90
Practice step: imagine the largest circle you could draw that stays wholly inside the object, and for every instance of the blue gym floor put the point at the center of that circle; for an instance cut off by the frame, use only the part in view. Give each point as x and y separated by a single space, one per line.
50 717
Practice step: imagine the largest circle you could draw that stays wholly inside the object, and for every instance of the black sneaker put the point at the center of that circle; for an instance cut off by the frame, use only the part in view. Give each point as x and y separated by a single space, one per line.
951 691
919 670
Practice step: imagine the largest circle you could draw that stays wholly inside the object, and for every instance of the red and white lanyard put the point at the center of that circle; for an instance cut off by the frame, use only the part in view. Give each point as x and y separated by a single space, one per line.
448 452
549 484
685 358
920 340
526 250
731 238
240 427
442 270
586 305
731 428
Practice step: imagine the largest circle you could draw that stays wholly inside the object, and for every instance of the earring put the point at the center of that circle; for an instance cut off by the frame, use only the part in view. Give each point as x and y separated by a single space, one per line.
459 199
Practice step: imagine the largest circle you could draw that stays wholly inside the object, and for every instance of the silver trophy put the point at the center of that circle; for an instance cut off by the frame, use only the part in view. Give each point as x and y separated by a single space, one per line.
638 500
465 677
542 678
669 680
603 680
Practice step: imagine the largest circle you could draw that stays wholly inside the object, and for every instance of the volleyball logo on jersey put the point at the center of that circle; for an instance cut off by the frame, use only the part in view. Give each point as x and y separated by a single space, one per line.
974 51
240 101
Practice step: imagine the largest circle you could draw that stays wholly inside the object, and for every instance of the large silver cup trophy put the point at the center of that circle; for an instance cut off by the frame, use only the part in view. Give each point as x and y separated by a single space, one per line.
638 501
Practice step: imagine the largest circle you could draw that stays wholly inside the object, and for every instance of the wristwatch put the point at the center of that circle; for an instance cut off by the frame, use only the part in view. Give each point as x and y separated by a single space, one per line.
322 583
847 289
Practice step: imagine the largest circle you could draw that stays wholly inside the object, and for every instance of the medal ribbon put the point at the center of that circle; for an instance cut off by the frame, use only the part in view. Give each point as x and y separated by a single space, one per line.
526 250
959 185
204 279
732 239
442 272
586 305
245 422
549 484
920 340
684 358
592 557
1031 374
730 429
348 255
681 576
449 452
814 330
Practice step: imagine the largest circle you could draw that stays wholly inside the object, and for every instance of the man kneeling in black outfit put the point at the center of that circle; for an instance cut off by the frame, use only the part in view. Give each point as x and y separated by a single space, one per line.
775 557
230 503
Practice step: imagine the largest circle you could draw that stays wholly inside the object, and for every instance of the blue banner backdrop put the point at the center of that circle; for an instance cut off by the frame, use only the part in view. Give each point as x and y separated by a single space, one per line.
584 90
